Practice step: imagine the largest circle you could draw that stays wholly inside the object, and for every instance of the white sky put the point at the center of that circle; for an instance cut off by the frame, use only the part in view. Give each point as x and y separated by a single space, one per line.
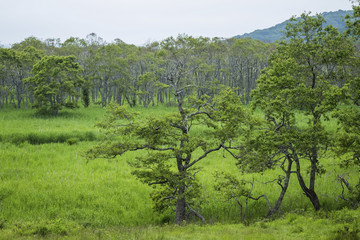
141 21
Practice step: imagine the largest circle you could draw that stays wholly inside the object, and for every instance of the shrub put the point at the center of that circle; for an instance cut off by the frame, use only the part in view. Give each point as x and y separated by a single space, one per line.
72 141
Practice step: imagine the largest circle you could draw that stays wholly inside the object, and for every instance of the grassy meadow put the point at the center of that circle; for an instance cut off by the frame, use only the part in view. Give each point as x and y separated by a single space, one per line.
49 190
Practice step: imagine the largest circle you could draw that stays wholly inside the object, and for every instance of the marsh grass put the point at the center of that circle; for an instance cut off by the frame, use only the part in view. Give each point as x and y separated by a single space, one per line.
25 126
48 189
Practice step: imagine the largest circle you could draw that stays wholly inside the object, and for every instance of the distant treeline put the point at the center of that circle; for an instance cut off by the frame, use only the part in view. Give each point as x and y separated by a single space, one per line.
126 73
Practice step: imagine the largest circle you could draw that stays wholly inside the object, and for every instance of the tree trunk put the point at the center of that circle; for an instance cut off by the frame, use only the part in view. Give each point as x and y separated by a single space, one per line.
93 95
283 191
180 207
310 193
313 168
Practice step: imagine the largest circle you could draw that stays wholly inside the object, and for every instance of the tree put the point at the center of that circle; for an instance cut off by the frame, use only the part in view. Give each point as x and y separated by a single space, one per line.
306 75
231 188
55 78
173 144
246 59
30 42
111 71
15 66
80 49
347 139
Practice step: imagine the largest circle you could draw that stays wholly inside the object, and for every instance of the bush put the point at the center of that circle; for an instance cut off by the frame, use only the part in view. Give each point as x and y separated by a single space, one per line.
72 141
348 224
347 231
71 105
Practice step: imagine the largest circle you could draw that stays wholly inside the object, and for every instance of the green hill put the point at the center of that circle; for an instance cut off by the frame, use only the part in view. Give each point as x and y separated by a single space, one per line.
277 32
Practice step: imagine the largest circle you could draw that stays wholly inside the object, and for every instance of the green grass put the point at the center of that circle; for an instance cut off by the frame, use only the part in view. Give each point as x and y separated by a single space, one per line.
48 189
53 181
308 225
25 126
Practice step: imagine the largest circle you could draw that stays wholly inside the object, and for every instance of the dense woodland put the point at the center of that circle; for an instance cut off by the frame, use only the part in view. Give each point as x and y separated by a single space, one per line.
126 73
291 107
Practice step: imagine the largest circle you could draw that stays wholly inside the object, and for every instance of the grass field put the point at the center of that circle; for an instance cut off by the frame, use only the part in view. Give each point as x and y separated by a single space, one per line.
49 190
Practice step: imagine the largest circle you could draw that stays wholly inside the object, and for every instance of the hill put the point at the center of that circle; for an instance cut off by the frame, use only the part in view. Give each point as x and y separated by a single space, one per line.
276 32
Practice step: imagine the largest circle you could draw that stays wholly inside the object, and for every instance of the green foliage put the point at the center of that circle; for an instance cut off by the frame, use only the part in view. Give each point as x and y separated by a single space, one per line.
352 20
348 137
348 225
86 96
15 65
55 78
232 189
303 75
172 147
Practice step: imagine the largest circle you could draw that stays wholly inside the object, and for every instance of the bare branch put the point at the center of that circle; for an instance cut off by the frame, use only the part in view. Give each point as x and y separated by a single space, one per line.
195 213
198 113
178 91
264 196
231 153
202 156
342 179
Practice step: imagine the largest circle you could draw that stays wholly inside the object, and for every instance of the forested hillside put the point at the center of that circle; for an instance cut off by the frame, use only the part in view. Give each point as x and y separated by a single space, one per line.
277 32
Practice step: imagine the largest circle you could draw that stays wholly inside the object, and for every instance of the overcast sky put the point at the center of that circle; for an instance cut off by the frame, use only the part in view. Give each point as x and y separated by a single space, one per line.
141 21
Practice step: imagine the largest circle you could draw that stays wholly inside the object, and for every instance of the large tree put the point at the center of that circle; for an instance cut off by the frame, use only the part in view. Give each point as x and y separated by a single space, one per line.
55 79
348 115
305 80
172 146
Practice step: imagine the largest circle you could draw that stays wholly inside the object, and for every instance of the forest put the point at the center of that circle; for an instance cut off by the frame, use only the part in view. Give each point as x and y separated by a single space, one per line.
187 138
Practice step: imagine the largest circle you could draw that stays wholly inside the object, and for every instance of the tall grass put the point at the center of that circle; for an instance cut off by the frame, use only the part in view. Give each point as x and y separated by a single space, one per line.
25 124
53 181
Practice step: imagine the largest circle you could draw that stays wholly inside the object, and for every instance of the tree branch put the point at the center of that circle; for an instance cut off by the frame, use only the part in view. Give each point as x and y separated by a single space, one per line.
195 213
153 183
202 156
231 153
264 196
178 91
347 184
147 146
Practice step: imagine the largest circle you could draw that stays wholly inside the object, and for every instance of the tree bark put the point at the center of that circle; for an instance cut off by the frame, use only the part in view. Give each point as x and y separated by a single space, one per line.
313 170
180 207
310 193
283 191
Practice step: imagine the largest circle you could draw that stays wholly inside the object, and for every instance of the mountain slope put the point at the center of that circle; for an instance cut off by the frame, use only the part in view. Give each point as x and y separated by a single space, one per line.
276 32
